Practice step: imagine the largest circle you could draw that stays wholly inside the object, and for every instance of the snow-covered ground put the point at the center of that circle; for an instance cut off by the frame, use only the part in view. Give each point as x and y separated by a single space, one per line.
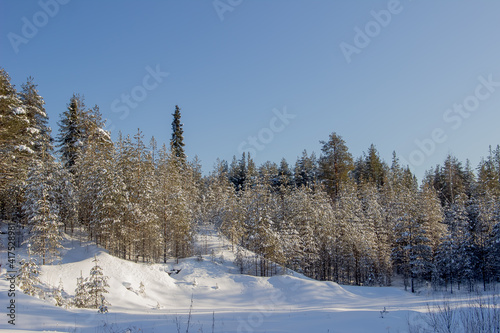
222 299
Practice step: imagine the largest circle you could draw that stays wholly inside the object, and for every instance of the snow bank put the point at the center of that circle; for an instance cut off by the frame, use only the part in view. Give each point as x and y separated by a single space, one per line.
222 297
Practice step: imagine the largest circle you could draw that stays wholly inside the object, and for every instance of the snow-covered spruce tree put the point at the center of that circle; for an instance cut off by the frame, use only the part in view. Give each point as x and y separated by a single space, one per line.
16 149
450 180
465 254
307 252
110 205
92 172
57 293
355 240
66 198
324 216
481 213
124 162
10 125
138 170
81 299
411 254
343 239
260 231
72 132
452 253
431 216
41 210
95 147
252 174
284 174
488 177
40 132
176 197
288 230
27 276
96 286
306 170
242 173
31 137
375 219
236 172
488 180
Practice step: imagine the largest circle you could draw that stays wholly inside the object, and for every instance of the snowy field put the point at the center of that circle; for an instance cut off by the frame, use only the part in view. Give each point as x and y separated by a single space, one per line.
222 300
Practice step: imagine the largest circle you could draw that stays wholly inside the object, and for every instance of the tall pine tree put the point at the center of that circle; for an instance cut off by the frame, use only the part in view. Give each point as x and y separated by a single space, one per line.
72 132
177 141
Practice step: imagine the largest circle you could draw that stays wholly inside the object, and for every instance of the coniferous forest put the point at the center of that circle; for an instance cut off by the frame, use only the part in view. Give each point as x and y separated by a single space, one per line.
352 220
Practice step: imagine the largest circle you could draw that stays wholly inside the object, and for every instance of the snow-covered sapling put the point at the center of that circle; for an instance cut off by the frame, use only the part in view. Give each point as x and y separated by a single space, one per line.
57 294
27 276
81 293
96 285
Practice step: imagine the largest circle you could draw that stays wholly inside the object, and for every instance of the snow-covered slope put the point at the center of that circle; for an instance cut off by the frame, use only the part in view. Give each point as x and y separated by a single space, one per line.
222 299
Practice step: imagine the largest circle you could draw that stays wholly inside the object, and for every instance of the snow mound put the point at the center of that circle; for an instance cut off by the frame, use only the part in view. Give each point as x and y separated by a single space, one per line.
204 290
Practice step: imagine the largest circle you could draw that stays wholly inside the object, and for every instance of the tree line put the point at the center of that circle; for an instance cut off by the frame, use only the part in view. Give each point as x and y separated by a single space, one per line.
333 217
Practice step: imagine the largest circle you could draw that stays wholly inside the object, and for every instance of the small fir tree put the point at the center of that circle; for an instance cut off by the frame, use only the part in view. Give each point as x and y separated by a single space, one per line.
58 294
81 293
96 286
27 277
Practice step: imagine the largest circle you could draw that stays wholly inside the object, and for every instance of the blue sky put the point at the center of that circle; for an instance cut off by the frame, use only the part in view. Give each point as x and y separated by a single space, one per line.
418 77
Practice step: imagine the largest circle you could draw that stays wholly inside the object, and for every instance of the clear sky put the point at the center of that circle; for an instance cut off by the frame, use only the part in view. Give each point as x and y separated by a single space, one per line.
285 72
